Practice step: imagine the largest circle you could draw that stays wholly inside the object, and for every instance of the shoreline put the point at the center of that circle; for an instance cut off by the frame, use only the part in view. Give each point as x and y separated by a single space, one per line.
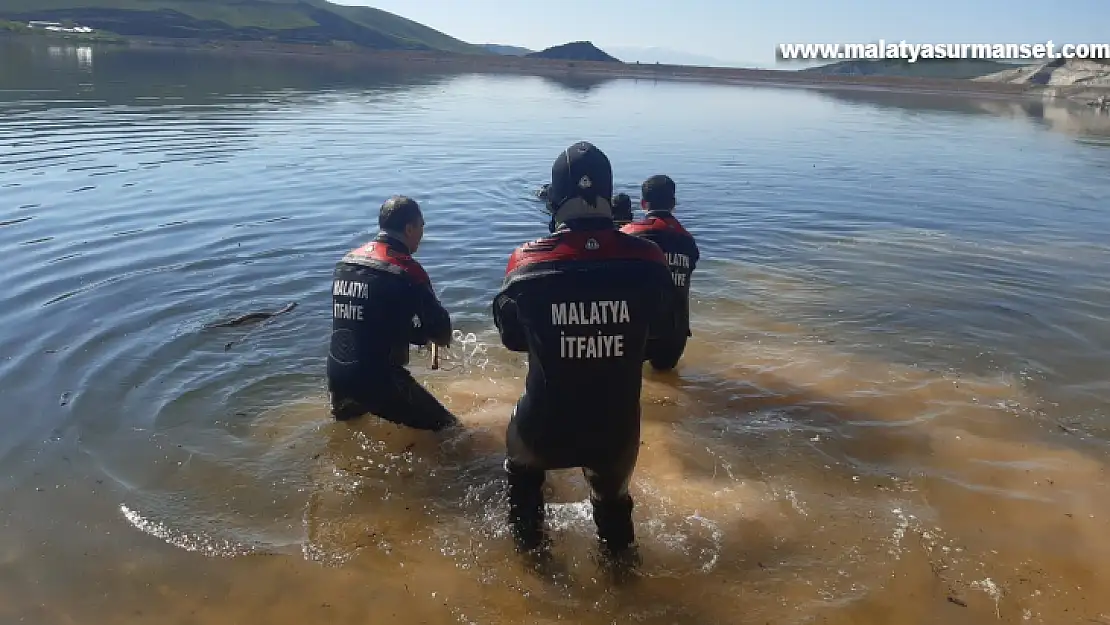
501 64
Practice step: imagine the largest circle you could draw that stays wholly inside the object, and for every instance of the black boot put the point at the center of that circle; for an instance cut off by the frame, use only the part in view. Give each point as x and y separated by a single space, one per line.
526 513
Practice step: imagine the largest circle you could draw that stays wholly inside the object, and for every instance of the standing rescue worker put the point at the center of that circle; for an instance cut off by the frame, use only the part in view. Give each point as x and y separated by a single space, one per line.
581 302
622 209
382 301
657 198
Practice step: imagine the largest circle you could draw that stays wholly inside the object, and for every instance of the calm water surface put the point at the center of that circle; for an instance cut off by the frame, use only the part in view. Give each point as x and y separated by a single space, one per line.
893 409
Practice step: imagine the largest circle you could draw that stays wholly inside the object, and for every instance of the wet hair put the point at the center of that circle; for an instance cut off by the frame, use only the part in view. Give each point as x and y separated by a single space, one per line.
659 192
398 212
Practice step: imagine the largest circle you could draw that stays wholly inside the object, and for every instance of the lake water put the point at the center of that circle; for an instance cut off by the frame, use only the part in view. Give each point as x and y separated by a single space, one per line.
893 409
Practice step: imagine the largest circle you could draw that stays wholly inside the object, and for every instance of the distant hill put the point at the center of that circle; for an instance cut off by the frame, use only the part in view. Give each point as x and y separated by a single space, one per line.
575 51
507 50
283 21
923 68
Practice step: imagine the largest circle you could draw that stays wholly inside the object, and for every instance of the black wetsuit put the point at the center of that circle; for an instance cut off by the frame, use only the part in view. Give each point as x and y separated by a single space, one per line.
581 303
378 293
661 227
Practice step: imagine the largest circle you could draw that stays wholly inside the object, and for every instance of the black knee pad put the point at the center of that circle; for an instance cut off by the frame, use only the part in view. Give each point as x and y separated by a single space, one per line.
613 518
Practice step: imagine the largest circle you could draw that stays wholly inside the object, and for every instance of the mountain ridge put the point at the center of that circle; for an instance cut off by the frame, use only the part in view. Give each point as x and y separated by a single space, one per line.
317 22
506 50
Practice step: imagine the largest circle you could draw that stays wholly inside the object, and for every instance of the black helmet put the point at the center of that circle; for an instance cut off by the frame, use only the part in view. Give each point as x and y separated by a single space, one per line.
581 171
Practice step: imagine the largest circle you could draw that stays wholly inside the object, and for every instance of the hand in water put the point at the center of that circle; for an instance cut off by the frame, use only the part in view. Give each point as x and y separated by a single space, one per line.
465 351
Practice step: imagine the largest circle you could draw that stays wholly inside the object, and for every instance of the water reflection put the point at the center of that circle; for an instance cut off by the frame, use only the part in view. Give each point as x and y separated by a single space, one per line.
578 83
66 54
161 106
1064 116
138 76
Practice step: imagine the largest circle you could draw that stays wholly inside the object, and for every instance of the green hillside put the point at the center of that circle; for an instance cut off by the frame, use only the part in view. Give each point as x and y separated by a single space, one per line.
507 50
284 21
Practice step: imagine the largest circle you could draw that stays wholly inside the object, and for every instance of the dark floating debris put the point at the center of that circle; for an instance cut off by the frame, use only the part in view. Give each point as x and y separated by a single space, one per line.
251 317
263 316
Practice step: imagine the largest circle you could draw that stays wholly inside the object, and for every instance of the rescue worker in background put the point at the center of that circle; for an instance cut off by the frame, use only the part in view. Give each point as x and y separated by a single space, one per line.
621 205
581 302
622 209
657 198
382 301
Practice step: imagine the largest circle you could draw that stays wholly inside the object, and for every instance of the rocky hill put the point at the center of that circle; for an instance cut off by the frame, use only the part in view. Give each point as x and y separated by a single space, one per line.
575 51
279 21
1056 73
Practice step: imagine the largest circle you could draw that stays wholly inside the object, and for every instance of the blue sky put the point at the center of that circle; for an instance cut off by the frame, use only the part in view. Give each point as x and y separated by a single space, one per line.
746 31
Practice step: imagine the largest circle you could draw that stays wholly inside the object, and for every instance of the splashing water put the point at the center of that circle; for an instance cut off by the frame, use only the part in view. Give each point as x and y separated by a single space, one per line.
465 352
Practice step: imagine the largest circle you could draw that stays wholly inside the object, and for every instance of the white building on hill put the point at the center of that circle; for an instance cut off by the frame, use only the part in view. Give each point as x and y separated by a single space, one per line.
58 28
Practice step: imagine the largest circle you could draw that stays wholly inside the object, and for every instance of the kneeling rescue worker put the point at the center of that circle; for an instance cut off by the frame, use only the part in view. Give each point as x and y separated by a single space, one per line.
382 301
657 198
581 302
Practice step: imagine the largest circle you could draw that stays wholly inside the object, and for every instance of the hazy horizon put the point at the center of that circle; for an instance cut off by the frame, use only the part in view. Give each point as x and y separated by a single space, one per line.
731 34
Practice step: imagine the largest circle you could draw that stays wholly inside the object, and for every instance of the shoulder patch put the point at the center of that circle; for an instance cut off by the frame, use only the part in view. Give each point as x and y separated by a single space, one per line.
380 256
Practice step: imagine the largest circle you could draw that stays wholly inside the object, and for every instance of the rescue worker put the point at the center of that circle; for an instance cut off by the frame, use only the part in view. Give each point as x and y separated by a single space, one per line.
382 301
657 199
622 209
581 302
